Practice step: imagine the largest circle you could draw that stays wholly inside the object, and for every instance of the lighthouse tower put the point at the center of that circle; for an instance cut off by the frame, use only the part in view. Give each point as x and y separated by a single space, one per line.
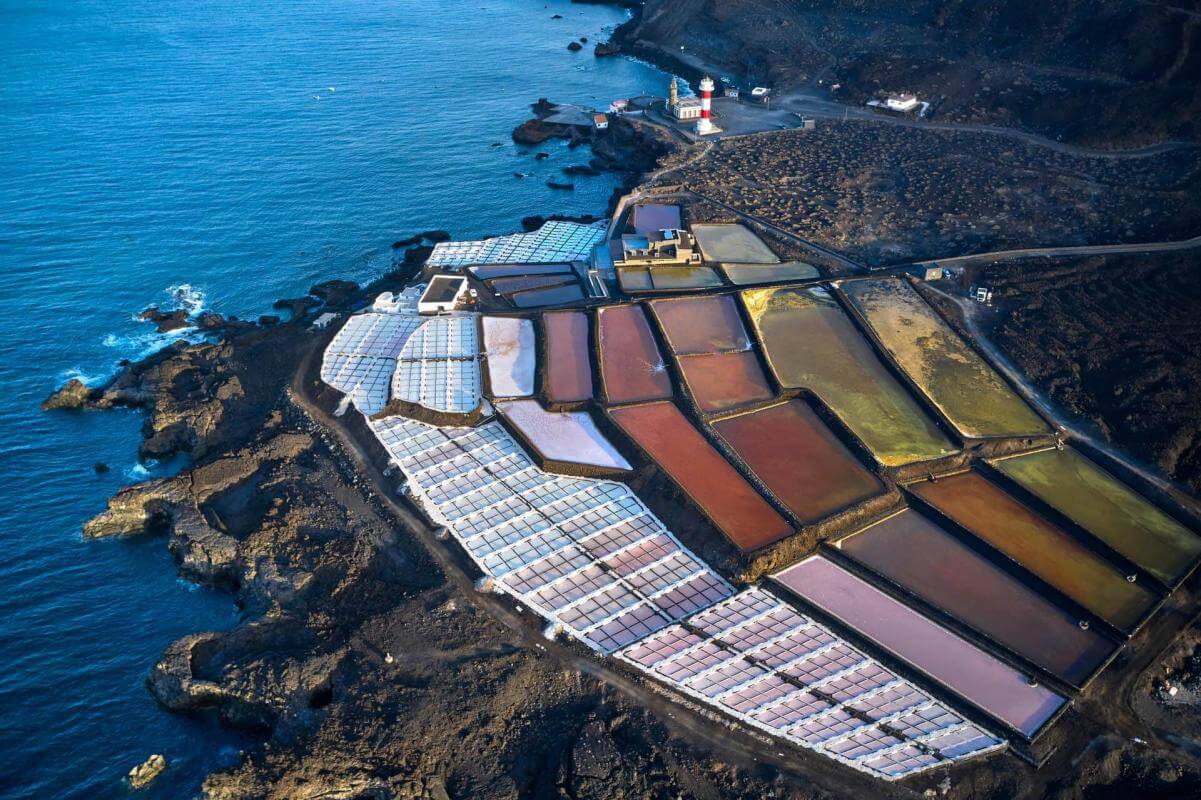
704 125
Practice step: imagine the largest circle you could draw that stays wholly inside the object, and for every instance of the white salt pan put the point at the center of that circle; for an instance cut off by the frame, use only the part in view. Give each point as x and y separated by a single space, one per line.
571 438
509 346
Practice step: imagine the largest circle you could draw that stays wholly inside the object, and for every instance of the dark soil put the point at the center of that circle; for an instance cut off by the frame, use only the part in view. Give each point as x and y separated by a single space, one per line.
1113 341
883 194
1106 73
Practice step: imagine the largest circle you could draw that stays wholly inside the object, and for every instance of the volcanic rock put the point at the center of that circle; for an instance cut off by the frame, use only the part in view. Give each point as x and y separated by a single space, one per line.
141 775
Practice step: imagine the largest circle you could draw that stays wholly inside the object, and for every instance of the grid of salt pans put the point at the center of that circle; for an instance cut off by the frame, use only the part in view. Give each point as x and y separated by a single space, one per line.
766 664
439 366
361 357
586 554
554 242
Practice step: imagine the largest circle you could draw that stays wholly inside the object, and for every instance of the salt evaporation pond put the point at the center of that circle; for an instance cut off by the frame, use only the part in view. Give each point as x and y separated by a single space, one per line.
812 344
953 376
1040 547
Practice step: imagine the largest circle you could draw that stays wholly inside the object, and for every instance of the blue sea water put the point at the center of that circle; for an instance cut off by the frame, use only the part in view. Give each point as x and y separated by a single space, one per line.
217 153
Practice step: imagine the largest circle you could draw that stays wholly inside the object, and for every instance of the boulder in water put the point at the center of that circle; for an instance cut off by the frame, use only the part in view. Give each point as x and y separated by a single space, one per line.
141 775
72 394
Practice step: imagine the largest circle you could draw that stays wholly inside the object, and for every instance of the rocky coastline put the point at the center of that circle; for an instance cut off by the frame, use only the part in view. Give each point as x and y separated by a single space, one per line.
367 663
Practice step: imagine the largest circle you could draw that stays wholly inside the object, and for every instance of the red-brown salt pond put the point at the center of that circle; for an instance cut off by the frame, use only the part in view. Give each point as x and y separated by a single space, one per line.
679 449
631 366
701 324
568 366
799 459
724 381
973 674
1041 547
914 553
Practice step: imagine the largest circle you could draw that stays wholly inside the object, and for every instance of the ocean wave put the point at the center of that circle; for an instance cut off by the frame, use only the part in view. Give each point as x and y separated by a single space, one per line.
136 346
140 471
188 297
144 343
87 379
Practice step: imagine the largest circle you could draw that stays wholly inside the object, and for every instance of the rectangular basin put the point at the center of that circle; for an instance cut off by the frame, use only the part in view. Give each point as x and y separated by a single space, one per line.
812 344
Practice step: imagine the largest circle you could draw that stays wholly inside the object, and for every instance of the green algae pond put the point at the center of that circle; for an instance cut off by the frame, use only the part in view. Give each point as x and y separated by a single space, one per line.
812 344
1101 504
952 375
743 274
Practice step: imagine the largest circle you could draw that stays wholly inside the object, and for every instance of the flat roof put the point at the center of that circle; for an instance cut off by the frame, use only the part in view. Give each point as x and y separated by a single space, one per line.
443 289
655 217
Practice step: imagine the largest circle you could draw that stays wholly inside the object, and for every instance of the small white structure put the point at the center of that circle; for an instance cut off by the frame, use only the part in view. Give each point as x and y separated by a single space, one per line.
444 293
600 121
901 104
686 109
981 294
322 322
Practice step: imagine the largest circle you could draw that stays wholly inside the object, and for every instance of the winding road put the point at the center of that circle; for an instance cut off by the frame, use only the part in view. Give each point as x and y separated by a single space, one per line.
1060 252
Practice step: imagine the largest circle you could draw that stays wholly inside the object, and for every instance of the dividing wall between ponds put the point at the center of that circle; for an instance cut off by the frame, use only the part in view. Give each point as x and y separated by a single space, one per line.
1012 529
733 505
718 365
812 344
915 554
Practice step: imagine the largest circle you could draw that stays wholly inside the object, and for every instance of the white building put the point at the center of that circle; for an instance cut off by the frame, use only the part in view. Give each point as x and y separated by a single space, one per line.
444 293
686 108
901 104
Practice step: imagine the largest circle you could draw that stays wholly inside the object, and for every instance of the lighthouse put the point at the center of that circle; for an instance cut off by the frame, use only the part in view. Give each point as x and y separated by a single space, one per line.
704 125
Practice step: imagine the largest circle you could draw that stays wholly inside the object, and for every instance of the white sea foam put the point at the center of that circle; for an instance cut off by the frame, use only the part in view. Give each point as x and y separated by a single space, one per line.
139 471
188 297
83 377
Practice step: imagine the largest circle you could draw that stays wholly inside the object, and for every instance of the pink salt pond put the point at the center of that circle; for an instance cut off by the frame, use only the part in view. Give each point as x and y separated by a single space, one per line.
631 365
978 677
701 324
568 366
567 438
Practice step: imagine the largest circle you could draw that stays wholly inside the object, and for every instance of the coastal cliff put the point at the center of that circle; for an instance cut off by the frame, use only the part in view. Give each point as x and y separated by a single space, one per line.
1109 74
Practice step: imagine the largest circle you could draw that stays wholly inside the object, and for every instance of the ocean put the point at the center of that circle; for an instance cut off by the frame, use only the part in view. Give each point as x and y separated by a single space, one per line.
214 154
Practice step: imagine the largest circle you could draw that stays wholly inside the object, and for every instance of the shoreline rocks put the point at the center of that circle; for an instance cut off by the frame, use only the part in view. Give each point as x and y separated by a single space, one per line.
143 774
